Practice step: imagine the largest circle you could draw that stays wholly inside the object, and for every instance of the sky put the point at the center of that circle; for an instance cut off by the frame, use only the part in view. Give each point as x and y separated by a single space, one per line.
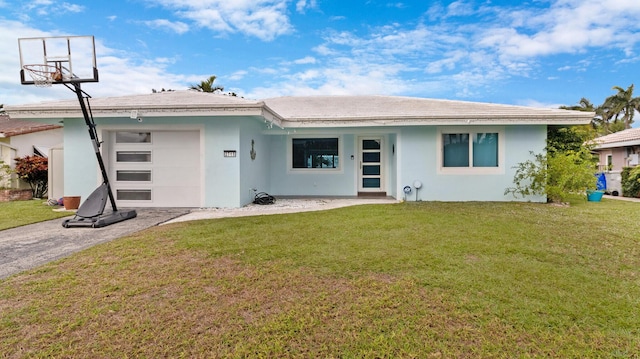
542 53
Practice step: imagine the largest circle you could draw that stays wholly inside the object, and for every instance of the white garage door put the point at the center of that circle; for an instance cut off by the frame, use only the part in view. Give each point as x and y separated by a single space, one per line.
155 168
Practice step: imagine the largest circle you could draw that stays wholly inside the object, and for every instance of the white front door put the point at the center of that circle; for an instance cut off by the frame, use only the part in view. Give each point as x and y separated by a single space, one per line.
371 166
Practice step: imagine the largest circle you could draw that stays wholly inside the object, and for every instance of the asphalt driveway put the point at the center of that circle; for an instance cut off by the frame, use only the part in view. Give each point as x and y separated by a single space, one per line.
29 246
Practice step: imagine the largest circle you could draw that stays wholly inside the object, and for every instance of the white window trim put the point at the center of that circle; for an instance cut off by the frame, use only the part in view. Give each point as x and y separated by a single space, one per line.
314 171
471 130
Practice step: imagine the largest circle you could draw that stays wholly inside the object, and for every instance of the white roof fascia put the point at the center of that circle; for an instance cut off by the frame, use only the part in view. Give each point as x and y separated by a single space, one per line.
148 111
271 116
617 144
306 123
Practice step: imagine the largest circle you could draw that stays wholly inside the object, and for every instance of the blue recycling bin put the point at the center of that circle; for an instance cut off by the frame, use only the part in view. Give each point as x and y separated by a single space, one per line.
601 184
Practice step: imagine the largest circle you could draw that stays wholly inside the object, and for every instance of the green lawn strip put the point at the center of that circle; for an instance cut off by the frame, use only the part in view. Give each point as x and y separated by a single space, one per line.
405 280
20 213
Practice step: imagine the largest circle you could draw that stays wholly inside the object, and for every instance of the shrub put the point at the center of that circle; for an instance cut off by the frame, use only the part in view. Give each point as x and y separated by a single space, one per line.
33 170
555 175
5 175
631 181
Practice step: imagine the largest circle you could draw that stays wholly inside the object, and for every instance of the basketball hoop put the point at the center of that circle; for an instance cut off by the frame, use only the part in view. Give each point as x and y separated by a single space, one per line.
44 75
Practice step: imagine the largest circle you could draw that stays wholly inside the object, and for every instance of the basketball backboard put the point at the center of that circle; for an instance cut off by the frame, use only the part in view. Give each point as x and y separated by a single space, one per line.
59 59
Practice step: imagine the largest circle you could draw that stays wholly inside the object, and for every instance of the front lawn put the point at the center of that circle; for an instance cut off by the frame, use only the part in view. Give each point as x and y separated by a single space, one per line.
405 280
20 213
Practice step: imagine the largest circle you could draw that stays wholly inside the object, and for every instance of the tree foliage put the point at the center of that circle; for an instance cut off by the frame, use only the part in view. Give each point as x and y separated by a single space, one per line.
631 181
33 170
614 114
623 105
555 174
5 175
207 85
568 138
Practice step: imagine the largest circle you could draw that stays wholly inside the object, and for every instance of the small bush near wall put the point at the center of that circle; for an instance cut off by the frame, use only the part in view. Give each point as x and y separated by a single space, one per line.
631 181
33 170
7 195
5 175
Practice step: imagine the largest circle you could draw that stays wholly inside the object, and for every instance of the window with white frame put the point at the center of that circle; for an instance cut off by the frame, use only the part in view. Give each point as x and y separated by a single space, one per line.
315 153
471 151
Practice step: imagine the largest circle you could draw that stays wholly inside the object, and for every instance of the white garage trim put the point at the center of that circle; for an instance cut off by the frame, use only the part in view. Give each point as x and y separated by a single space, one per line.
162 167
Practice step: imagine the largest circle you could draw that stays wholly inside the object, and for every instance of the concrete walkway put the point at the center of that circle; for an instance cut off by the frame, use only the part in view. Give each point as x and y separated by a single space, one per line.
620 198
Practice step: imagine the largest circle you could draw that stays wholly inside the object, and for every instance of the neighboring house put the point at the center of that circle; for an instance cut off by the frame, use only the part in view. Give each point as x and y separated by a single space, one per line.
616 151
194 149
24 138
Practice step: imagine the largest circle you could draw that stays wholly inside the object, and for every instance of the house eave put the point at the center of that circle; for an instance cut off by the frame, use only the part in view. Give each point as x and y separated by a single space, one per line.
617 144
147 111
422 121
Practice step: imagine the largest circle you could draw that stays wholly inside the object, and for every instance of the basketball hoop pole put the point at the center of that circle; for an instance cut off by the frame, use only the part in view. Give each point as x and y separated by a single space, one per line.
88 119
91 212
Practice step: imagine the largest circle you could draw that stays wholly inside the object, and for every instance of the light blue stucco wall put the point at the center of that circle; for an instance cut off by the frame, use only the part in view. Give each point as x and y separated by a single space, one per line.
254 173
221 172
81 174
225 181
341 182
411 153
418 151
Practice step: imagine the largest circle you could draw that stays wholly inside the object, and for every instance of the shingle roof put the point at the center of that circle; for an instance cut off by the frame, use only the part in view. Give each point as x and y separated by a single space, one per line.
310 111
628 137
11 127
387 110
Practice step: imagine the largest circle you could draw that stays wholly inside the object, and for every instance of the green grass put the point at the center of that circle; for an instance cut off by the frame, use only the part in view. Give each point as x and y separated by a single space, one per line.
20 213
405 280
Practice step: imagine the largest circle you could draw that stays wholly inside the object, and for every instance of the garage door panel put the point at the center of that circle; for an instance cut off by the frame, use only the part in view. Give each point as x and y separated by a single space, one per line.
169 157
170 196
169 176
172 176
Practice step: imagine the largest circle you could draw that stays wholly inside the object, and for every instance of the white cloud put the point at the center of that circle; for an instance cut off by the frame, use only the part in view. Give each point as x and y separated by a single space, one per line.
173 26
263 19
567 26
120 72
459 8
303 5
238 75
305 60
398 5
51 8
75 8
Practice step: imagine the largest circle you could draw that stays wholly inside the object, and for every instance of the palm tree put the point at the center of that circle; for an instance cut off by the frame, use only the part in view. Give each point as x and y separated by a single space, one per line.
207 85
599 121
623 103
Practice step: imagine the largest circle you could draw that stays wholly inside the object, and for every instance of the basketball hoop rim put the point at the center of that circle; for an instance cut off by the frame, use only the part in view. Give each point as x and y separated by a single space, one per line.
40 68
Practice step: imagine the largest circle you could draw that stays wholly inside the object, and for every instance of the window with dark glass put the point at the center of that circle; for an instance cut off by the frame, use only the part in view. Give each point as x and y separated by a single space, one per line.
470 150
315 153
133 175
133 156
133 194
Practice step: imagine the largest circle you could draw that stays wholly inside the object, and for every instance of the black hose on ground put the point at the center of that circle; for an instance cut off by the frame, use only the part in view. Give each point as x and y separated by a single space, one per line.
264 198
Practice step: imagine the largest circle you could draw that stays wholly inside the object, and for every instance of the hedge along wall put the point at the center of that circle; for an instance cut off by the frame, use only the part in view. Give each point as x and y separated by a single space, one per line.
630 181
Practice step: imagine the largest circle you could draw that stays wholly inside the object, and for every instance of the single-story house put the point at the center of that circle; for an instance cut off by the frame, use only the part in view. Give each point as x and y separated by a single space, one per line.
195 149
618 150
615 152
25 138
